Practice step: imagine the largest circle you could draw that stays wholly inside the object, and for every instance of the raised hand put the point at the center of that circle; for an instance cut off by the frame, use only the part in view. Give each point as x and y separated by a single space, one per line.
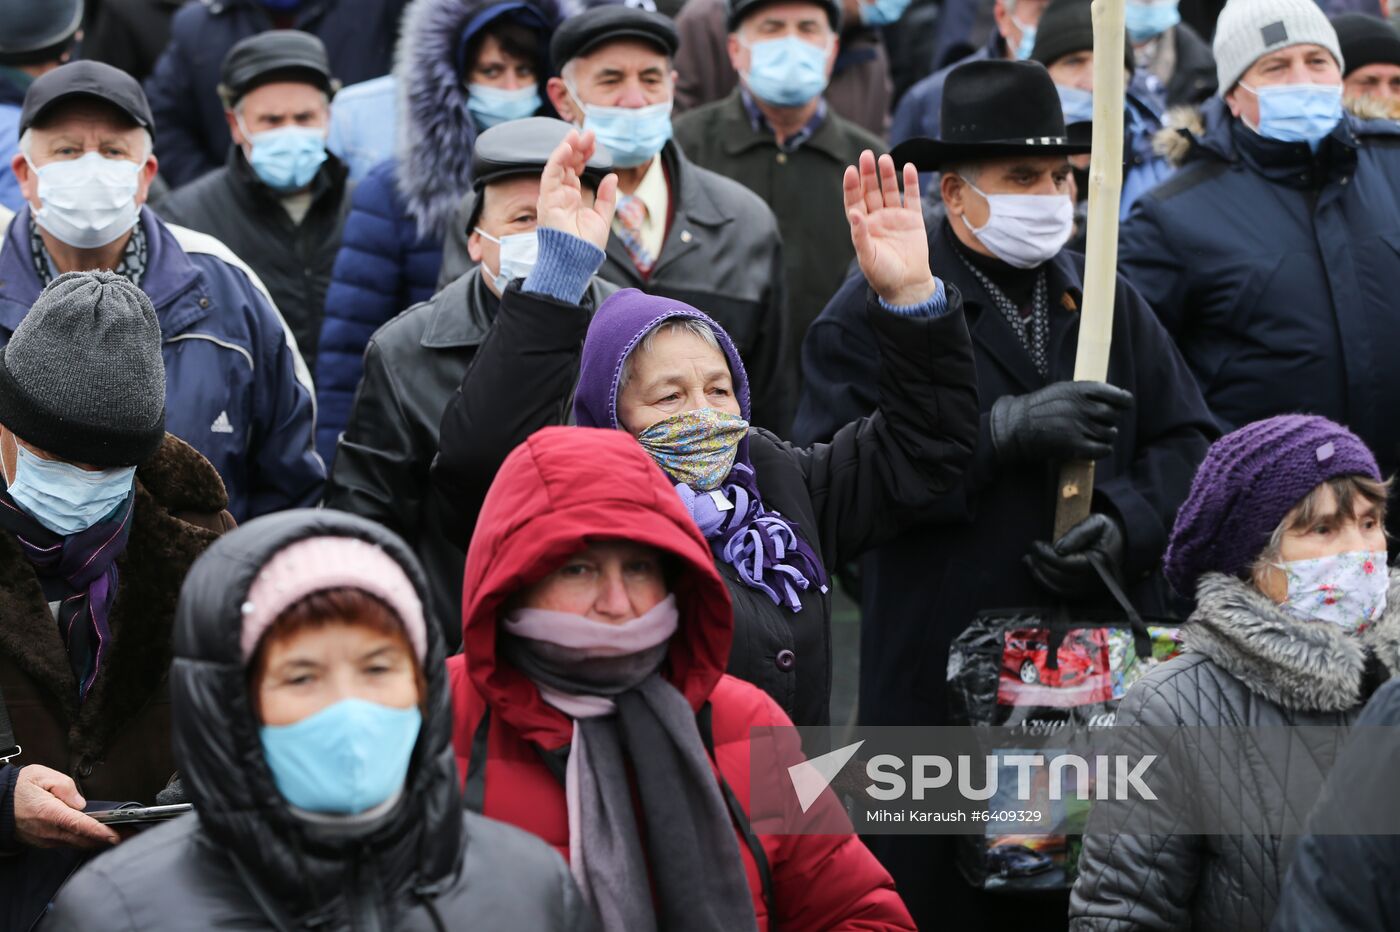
561 205
889 236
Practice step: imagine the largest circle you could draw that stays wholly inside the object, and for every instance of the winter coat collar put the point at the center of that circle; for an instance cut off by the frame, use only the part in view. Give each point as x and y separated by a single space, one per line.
436 133
162 546
462 313
1302 665
740 136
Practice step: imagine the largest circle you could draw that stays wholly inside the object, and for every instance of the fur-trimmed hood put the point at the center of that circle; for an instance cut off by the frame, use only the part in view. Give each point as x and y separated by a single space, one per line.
1184 128
436 134
1304 665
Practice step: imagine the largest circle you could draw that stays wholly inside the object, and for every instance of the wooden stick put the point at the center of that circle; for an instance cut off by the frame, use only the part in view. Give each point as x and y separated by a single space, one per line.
1076 486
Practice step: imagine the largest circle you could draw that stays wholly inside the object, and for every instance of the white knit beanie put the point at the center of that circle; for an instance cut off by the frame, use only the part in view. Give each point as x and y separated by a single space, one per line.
1250 29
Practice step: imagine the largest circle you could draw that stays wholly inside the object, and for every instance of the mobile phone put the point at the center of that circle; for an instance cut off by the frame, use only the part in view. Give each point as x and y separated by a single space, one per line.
133 815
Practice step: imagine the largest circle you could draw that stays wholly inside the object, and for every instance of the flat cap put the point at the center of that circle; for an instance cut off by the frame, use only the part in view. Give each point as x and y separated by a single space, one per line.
86 79
522 147
737 10
276 55
583 32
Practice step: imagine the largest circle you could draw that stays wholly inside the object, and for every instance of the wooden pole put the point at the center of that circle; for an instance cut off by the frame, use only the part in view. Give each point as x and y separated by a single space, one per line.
1076 486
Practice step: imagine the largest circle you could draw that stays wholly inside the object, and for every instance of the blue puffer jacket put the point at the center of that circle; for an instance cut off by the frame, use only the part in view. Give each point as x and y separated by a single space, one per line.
235 387
12 89
1275 271
191 133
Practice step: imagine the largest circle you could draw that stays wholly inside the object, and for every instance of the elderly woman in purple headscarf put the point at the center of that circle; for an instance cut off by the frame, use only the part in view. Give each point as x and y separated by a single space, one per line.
777 517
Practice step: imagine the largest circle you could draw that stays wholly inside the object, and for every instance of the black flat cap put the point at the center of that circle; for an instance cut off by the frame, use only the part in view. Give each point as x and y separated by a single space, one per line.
276 55
86 79
738 9
583 32
522 147
1366 40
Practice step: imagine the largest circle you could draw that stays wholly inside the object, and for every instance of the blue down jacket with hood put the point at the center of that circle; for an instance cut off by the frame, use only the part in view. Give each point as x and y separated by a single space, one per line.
1275 272
400 213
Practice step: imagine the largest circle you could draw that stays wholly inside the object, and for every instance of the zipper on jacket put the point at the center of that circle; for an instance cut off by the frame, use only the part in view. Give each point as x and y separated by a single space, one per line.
365 907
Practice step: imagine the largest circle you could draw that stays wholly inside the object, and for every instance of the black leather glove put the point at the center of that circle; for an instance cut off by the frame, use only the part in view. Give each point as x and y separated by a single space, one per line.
1065 568
1063 421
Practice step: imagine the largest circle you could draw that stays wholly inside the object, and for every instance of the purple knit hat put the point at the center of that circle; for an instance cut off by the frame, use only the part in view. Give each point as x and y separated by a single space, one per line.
1248 483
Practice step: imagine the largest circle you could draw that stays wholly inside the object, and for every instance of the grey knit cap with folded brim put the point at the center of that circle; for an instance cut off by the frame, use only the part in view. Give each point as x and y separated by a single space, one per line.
82 376
1247 30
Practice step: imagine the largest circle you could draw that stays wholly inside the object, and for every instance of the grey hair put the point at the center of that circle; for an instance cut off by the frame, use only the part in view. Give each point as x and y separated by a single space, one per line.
689 325
1346 490
968 171
26 142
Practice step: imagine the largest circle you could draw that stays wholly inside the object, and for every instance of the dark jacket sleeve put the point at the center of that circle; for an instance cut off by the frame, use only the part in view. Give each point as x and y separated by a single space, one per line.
180 145
1347 881
9 774
1148 259
772 376
378 472
878 471
520 380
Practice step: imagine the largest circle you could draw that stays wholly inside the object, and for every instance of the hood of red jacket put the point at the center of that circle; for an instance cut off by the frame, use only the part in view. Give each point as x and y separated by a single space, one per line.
560 490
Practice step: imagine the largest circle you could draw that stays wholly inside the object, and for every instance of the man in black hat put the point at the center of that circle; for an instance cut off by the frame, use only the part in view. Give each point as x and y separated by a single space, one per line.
34 38
238 390
1371 50
999 239
415 363
281 201
680 230
776 136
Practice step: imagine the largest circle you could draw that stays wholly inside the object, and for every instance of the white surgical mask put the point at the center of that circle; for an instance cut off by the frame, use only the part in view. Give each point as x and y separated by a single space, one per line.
1024 230
518 254
87 202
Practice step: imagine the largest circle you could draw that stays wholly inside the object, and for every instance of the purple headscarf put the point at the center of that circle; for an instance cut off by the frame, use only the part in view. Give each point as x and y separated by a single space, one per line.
766 549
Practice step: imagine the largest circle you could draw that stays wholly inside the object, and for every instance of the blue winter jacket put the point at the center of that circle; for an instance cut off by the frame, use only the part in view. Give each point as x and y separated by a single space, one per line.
1276 273
12 90
235 387
383 268
191 133
359 115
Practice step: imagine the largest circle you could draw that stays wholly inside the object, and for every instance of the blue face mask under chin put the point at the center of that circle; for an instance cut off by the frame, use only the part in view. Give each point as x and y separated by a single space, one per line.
65 498
1298 112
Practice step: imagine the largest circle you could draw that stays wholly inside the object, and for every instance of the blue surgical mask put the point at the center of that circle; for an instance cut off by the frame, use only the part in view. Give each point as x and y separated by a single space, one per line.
1149 20
1298 112
1077 104
786 72
519 252
348 757
492 105
287 158
632 135
882 12
64 498
1023 51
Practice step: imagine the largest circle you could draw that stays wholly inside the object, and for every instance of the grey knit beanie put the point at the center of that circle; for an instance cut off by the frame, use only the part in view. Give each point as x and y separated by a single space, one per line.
82 376
1249 29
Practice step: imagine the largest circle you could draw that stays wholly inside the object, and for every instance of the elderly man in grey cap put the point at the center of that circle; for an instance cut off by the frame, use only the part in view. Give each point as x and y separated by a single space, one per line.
280 201
415 363
101 514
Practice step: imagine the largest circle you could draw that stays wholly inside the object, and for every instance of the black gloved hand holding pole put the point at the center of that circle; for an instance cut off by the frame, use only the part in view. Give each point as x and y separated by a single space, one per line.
1063 421
1065 568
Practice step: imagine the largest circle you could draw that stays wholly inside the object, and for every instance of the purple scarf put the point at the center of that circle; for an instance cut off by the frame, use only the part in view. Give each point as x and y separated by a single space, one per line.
767 550
81 570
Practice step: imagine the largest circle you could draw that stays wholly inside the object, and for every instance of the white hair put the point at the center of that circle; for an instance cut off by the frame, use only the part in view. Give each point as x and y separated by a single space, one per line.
26 143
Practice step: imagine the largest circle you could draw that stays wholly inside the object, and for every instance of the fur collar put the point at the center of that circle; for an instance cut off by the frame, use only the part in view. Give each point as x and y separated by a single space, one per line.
158 554
436 134
1303 665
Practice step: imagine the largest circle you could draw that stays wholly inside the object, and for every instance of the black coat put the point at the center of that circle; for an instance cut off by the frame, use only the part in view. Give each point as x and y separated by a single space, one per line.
1193 80
923 588
424 865
130 34
413 365
846 496
293 260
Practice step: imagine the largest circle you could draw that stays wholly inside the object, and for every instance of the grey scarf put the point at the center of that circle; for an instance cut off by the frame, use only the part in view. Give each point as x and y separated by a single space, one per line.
689 874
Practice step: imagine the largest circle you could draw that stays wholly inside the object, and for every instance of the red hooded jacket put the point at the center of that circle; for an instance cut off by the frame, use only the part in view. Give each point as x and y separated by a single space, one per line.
565 487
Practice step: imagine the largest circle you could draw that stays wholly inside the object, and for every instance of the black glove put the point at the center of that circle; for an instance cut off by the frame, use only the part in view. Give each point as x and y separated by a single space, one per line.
1060 422
1065 570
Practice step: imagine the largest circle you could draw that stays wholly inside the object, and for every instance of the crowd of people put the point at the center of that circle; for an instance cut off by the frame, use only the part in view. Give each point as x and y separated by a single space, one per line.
435 433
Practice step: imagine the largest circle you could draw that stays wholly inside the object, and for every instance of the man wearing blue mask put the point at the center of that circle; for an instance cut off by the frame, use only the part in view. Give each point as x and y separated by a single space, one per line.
238 389
101 515
1174 64
1270 255
680 230
415 363
281 200
776 135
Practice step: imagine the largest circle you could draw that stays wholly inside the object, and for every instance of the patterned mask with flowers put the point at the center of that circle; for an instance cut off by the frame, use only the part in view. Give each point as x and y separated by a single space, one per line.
1346 589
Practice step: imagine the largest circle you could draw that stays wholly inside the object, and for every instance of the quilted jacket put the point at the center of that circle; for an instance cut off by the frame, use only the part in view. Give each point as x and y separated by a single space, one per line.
1248 663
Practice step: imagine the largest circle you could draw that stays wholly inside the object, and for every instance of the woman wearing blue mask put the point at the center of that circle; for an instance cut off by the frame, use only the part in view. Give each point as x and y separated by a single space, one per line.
463 67
1297 622
313 732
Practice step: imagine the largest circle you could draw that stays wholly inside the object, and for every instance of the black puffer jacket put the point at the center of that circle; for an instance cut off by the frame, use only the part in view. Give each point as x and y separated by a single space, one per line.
1248 664
424 865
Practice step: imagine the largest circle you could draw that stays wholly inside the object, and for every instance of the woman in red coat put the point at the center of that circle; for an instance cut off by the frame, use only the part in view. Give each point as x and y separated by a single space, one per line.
595 634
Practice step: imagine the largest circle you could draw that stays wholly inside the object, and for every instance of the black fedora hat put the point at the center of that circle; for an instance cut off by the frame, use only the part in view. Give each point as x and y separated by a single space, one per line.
995 109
